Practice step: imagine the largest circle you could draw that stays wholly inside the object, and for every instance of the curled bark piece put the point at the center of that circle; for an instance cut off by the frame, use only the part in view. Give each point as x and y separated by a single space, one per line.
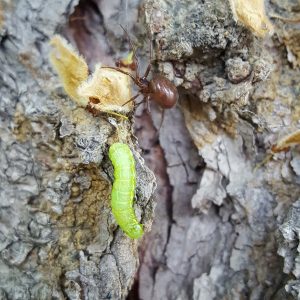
287 141
105 90
70 66
252 14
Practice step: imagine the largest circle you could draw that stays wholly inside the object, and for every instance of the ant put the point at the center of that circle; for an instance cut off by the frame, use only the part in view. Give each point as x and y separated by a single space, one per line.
159 89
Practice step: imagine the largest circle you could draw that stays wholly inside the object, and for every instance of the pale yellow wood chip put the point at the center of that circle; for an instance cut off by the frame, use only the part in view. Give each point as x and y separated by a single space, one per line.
72 69
110 88
251 13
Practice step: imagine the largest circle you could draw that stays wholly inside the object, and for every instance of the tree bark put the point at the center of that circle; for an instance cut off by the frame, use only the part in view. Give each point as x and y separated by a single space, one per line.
59 239
224 232
226 218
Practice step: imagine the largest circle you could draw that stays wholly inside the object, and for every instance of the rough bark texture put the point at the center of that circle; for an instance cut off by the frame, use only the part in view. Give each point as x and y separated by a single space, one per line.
58 239
226 225
237 93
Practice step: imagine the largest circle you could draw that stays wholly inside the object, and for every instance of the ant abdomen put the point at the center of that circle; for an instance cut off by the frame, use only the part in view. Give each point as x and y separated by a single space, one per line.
163 91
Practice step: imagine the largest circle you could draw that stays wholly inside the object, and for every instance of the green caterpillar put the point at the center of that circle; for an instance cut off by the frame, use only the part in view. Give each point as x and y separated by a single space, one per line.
123 190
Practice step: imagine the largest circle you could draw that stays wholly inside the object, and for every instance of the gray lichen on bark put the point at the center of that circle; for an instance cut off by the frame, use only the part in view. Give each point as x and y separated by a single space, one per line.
58 237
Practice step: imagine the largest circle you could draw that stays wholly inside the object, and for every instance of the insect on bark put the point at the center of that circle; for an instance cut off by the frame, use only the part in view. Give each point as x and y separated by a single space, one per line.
158 89
123 190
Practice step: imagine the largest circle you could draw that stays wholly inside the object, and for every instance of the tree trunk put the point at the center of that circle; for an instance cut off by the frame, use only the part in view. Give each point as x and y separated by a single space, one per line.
59 239
226 218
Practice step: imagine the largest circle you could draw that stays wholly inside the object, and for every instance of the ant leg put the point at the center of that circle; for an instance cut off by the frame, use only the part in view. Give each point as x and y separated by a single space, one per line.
147 100
124 72
136 61
138 104
162 120
131 99
147 104
74 19
151 49
161 123
150 61
147 71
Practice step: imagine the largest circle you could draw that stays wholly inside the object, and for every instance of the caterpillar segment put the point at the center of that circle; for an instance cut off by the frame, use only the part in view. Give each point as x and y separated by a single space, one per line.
123 190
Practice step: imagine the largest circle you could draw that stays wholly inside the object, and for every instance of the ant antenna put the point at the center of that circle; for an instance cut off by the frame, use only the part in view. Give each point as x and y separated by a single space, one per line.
150 58
133 48
126 11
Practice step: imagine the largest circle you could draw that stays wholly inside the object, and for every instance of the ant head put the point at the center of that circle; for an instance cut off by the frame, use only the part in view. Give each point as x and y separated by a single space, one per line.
128 62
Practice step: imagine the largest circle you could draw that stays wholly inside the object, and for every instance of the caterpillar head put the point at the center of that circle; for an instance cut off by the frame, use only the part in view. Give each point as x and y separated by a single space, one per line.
136 231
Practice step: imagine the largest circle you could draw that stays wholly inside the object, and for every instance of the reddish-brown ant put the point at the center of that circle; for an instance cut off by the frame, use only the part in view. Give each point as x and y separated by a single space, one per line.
159 89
